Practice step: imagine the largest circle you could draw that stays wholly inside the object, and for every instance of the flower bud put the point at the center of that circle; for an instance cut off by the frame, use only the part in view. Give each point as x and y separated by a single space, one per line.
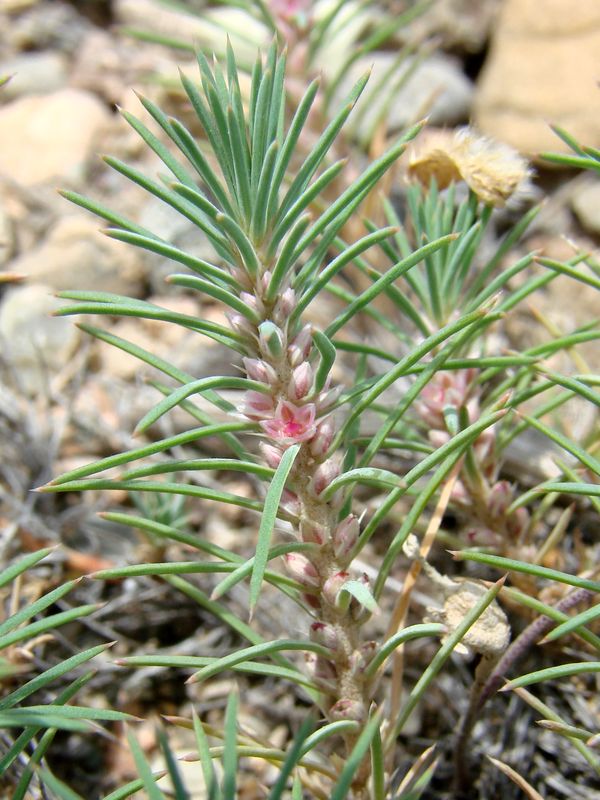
301 569
333 586
324 634
328 397
259 370
345 537
321 442
324 475
300 347
291 503
358 611
499 498
347 709
252 302
271 454
270 339
311 601
518 522
360 659
240 324
286 303
301 381
257 405
312 531
265 280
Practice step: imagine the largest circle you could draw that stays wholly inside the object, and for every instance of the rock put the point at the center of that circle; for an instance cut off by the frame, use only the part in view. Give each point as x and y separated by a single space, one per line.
7 237
52 26
33 73
35 344
585 202
110 66
46 137
438 88
75 255
543 67
208 30
459 24
16 6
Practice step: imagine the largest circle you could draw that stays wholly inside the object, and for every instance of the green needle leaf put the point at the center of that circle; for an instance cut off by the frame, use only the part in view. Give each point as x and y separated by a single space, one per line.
267 523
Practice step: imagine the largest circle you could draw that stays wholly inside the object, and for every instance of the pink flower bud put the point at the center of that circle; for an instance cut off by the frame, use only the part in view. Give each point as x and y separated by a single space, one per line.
324 475
324 634
328 398
347 709
358 611
312 531
240 324
499 498
257 405
252 302
270 339
438 438
260 370
360 659
271 454
345 537
301 381
291 503
518 522
265 280
322 671
300 347
333 585
323 438
301 569
286 303
312 601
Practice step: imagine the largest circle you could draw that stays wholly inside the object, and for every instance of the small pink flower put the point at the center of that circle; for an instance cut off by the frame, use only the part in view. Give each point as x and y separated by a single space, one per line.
448 389
291 423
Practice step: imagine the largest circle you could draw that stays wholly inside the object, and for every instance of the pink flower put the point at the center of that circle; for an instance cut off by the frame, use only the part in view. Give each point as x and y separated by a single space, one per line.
291 423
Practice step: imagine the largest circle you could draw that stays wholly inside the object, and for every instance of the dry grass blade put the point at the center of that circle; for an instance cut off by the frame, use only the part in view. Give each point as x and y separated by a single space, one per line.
520 781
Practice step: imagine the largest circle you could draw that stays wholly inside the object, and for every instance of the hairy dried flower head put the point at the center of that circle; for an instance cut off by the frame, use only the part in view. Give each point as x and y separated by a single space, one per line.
492 170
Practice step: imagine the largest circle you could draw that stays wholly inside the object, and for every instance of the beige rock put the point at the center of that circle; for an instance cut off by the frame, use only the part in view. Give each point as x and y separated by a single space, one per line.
543 67
34 73
586 205
75 255
7 237
35 344
46 137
